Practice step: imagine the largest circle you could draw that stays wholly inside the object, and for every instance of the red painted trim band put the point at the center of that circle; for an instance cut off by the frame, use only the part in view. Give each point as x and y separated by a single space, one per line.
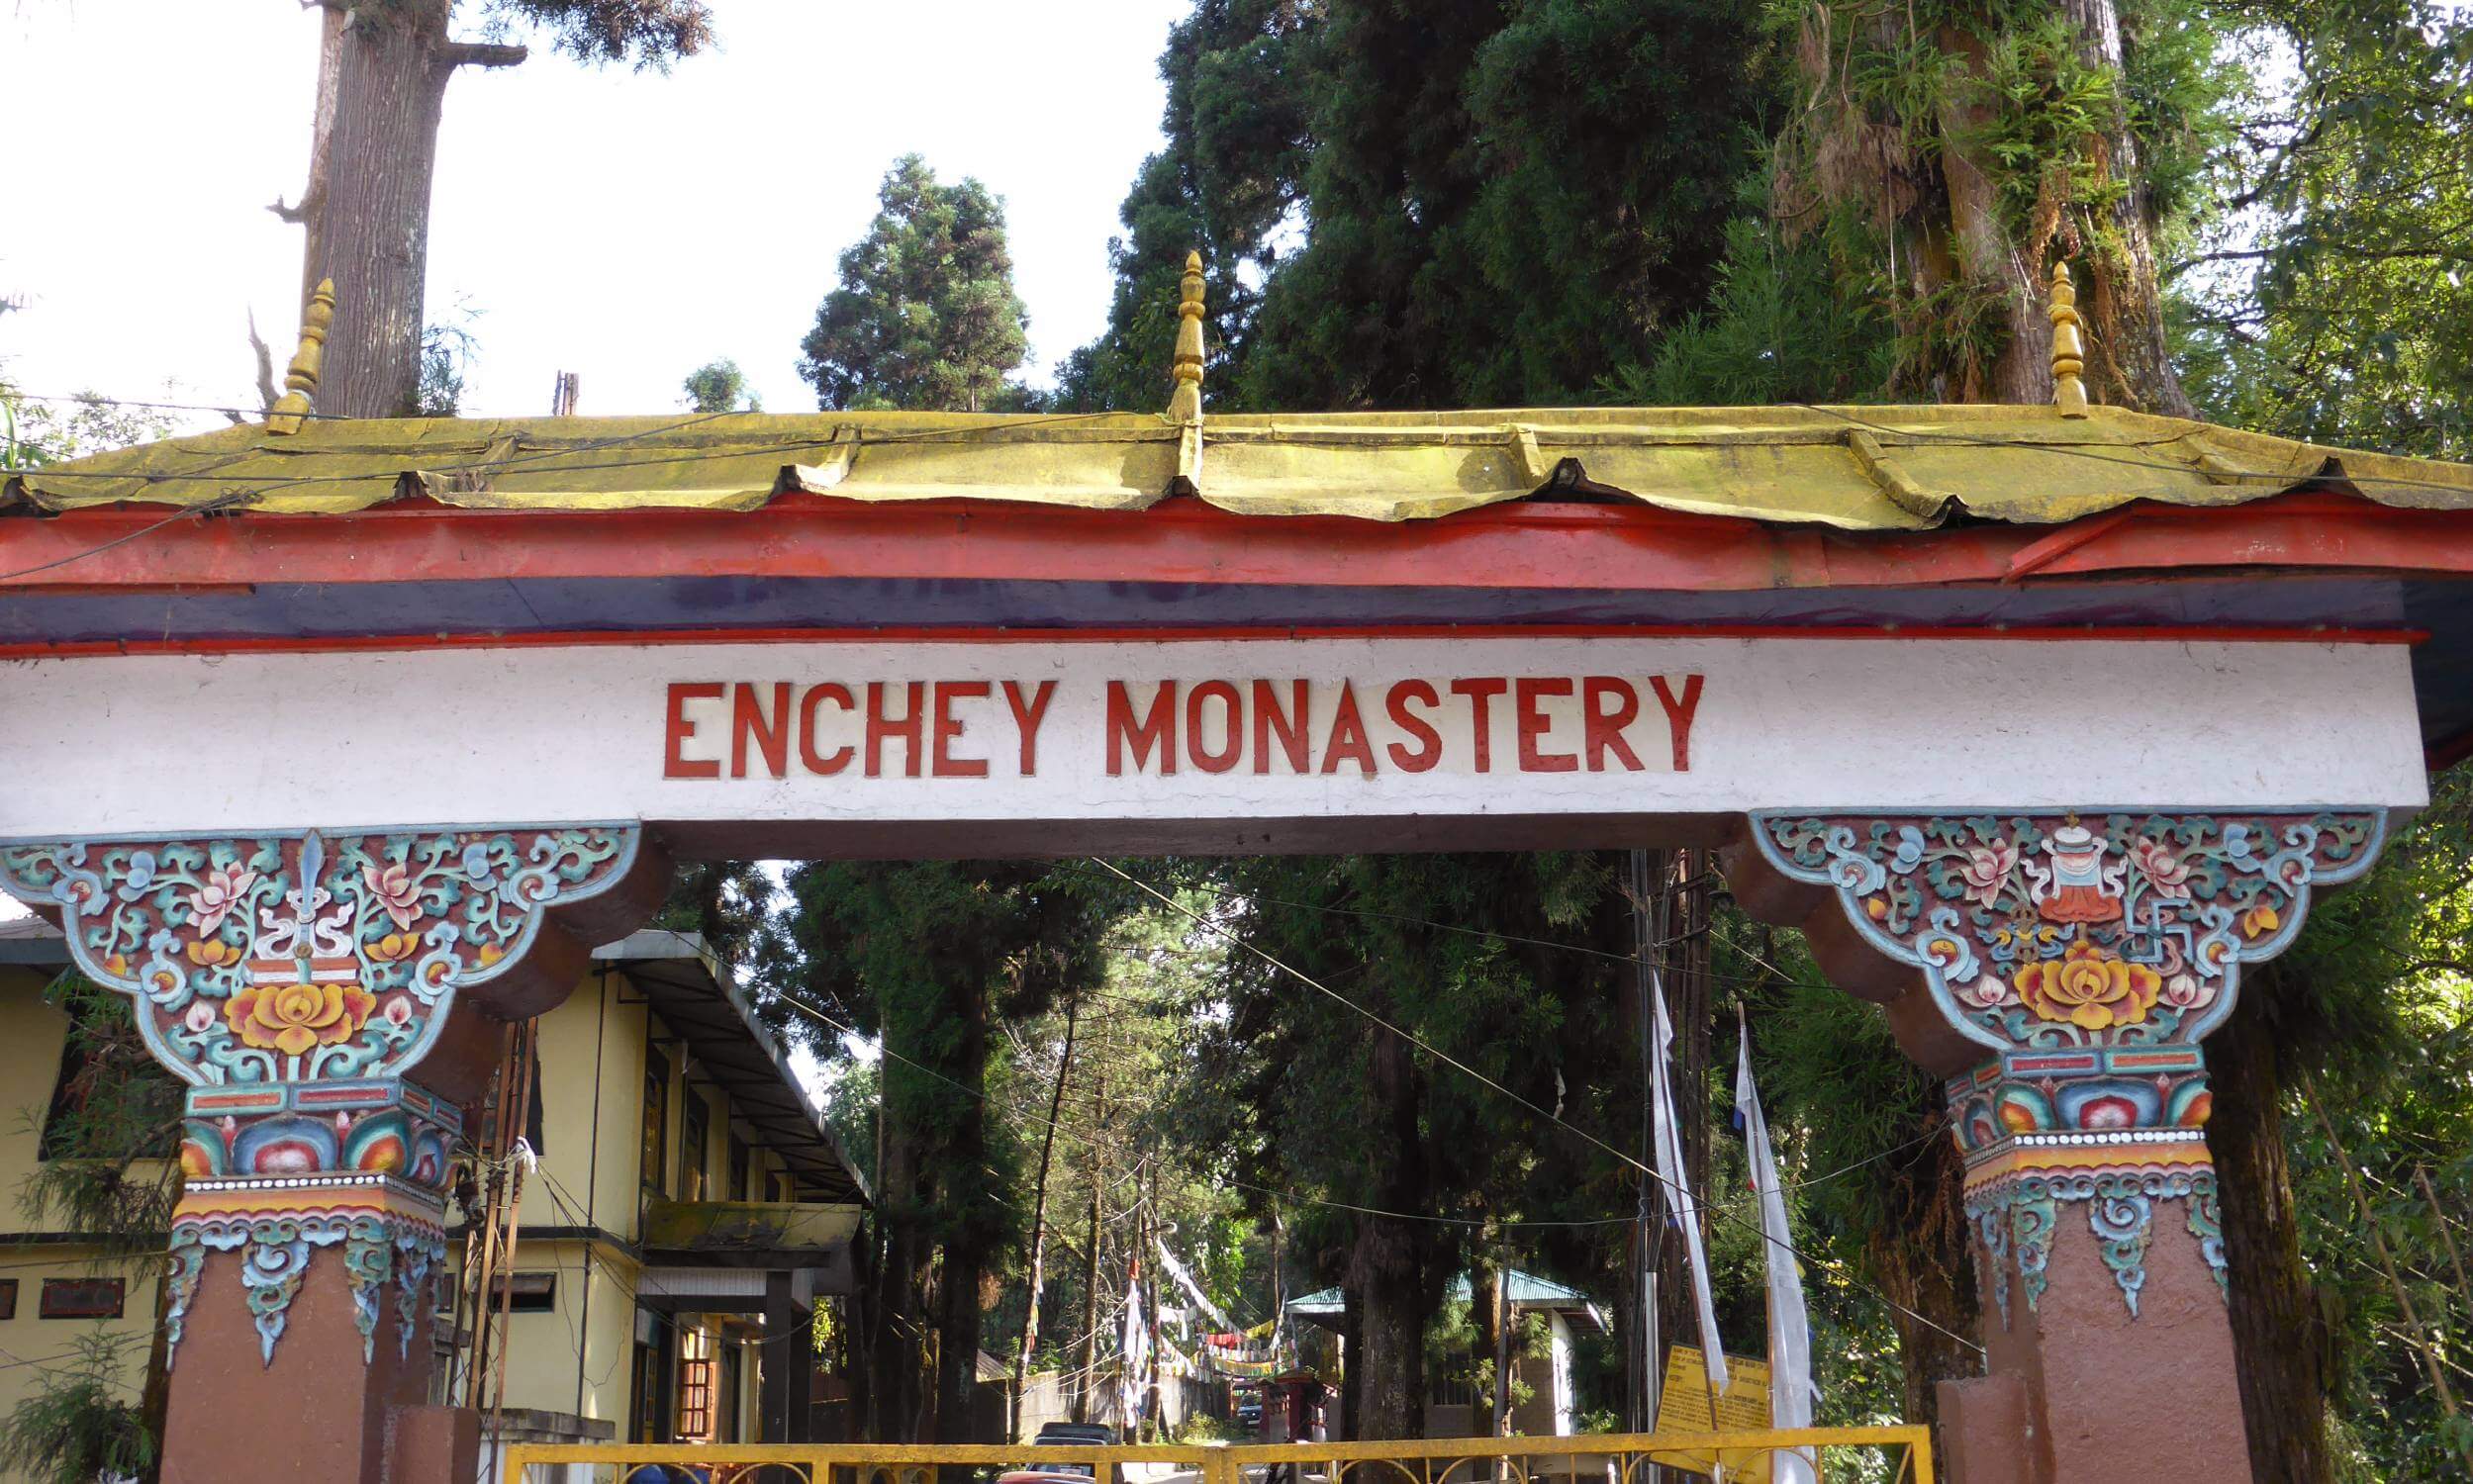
1530 544
663 638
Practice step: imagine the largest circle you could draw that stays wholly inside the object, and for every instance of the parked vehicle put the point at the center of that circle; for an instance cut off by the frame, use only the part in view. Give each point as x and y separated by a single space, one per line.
1062 1471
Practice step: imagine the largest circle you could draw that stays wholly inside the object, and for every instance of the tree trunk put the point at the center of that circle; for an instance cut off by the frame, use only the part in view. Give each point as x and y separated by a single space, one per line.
1039 1227
1387 1268
1923 1260
373 155
1684 925
969 1229
899 1315
2126 303
1989 262
2278 1332
1086 1381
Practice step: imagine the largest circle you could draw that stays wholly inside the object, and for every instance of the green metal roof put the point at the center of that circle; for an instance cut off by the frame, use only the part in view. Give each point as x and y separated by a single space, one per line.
1522 1290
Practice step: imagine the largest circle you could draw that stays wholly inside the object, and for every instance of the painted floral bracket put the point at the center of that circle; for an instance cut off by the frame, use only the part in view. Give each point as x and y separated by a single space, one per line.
300 958
2087 953
2071 930
293 980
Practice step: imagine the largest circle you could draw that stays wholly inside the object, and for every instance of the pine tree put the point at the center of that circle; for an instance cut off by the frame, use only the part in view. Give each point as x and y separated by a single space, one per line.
1226 185
382 71
925 315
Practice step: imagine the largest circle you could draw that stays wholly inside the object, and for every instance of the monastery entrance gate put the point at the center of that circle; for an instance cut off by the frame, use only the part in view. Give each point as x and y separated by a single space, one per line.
2045 727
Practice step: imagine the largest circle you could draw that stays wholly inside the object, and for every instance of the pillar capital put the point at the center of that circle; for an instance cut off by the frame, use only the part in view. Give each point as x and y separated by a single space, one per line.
2076 932
2061 970
294 979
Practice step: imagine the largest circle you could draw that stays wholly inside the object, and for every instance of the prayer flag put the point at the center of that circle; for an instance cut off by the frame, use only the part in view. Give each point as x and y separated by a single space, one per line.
1789 1330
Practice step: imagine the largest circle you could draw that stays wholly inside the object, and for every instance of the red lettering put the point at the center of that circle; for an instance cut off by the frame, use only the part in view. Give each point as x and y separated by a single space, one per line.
1233 729
1157 733
1429 749
1348 736
808 758
674 762
1678 715
1027 719
879 726
1603 729
1532 724
771 735
1289 724
942 761
1481 693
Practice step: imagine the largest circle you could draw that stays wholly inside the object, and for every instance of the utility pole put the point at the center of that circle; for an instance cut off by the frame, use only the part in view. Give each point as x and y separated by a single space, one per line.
1086 1374
562 396
1039 1223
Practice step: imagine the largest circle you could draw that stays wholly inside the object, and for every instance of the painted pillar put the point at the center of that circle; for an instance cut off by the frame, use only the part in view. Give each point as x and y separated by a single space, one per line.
334 1004
2062 970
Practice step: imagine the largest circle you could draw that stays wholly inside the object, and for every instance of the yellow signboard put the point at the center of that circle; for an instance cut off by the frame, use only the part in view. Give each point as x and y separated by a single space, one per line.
1684 1406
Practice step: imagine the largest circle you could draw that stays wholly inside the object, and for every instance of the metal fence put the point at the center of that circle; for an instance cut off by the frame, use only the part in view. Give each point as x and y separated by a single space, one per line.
1876 1455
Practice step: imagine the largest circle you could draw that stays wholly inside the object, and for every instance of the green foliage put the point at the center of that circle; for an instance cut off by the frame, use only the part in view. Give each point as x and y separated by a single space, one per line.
35 434
2333 296
925 317
448 348
719 387
1505 204
2372 1012
1779 327
78 1425
107 1169
647 33
1226 185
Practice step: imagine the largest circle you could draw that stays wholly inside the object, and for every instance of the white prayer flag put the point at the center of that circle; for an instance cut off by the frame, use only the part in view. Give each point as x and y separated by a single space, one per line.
1681 1202
1791 1391
1136 1350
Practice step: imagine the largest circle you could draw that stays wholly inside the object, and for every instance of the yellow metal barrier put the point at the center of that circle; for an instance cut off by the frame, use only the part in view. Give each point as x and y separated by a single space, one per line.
1891 1455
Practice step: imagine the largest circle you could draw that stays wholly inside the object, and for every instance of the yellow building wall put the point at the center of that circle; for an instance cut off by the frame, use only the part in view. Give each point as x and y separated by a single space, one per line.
592 1051
32 1035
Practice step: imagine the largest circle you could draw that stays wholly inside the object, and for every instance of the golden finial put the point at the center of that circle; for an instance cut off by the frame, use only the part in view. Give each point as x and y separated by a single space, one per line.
1184 404
2070 346
300 379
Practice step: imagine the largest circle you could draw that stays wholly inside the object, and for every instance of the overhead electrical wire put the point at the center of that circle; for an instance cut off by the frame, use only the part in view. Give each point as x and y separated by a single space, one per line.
1553 1118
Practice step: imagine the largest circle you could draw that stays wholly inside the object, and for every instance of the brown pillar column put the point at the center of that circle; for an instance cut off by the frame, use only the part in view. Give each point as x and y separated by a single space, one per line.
787 1395
293 980
2063 969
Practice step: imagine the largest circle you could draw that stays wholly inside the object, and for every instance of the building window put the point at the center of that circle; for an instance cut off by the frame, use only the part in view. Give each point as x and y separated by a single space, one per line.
656 1120
527 1293
695 1386
695 1135
742 1170
645 1386
83 1298
8 1298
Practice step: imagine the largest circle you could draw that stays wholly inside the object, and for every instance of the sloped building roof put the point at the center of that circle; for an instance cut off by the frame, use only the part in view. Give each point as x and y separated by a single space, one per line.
1862 468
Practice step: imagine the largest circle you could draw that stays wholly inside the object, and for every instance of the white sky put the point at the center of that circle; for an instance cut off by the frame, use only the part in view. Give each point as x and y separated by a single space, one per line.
626 227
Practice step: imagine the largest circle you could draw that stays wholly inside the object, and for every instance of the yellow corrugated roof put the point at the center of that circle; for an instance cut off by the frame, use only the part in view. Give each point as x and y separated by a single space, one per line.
1855 468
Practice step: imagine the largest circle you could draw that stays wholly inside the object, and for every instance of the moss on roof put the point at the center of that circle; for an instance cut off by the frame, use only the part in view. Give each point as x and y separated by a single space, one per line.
1855 468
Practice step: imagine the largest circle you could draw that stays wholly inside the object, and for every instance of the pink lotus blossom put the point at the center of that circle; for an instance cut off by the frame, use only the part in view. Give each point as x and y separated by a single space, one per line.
1987 992
1987 869
214 899
394 888
2167 872
2185 993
